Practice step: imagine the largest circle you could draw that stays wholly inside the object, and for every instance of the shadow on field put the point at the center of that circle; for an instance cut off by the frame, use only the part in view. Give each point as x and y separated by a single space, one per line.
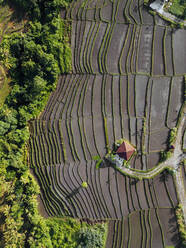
73 193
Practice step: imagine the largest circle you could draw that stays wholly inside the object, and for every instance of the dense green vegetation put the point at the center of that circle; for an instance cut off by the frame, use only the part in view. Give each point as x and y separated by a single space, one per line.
34 58
178 8
181 224
69 233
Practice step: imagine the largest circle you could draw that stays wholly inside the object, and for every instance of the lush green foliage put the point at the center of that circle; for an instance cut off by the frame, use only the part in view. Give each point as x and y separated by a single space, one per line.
69 233
181 225
91 238
178 8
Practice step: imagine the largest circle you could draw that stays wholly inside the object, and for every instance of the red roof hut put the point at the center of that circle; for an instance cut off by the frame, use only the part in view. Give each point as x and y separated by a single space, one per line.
125 150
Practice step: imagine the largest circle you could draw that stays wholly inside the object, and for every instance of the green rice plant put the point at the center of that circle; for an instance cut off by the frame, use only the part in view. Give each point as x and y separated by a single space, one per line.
45 198
129 230
84 135
161 229
73 140
87 45
81 138
41 145
136 190
52 147
31 153
77 200
82 198
152 58
56 145
102 197
134 49
125 12
62 141
45 150
129 50
111 197
168 105
169 195
117 240
95 191
102 48
122 51
81 55
172 50
72 201
142 228
120 107
92 47
37 150
140 12
145 228
78 89
156 198
127 194
70 99
151 195
76 48
164 50
116 11
130 14
92 114
70 140
145 192
150 227
61 202
107 46
48 195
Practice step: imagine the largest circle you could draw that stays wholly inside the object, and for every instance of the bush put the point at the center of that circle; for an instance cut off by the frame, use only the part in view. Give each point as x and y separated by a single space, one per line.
90 238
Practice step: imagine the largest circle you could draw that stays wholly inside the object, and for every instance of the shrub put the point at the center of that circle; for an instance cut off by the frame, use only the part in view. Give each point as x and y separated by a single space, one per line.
90 238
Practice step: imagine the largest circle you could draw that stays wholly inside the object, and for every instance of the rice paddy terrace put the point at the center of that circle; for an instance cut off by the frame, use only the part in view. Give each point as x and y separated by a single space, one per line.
127 81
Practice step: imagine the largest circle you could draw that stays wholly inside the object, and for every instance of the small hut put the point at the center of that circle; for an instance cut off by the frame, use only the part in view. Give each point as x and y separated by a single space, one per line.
125 150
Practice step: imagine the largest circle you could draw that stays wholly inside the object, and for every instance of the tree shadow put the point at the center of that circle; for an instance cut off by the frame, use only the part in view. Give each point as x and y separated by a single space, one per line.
18 13
164 176
73 193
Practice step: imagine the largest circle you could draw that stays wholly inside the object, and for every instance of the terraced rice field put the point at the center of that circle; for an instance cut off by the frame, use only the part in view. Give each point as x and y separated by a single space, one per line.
126 82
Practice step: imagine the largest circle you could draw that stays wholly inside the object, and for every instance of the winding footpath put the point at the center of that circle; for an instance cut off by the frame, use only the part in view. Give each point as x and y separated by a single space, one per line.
174 163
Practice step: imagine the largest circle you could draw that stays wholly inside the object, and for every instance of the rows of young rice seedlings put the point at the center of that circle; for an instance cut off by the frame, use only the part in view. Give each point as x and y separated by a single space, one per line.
97 190
51 202
55 189
61 191
57 98
125 49
113 196
103 48
72 187
93 189
92 196
67 190
84 202
96 180
80 111
153 51
160 227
